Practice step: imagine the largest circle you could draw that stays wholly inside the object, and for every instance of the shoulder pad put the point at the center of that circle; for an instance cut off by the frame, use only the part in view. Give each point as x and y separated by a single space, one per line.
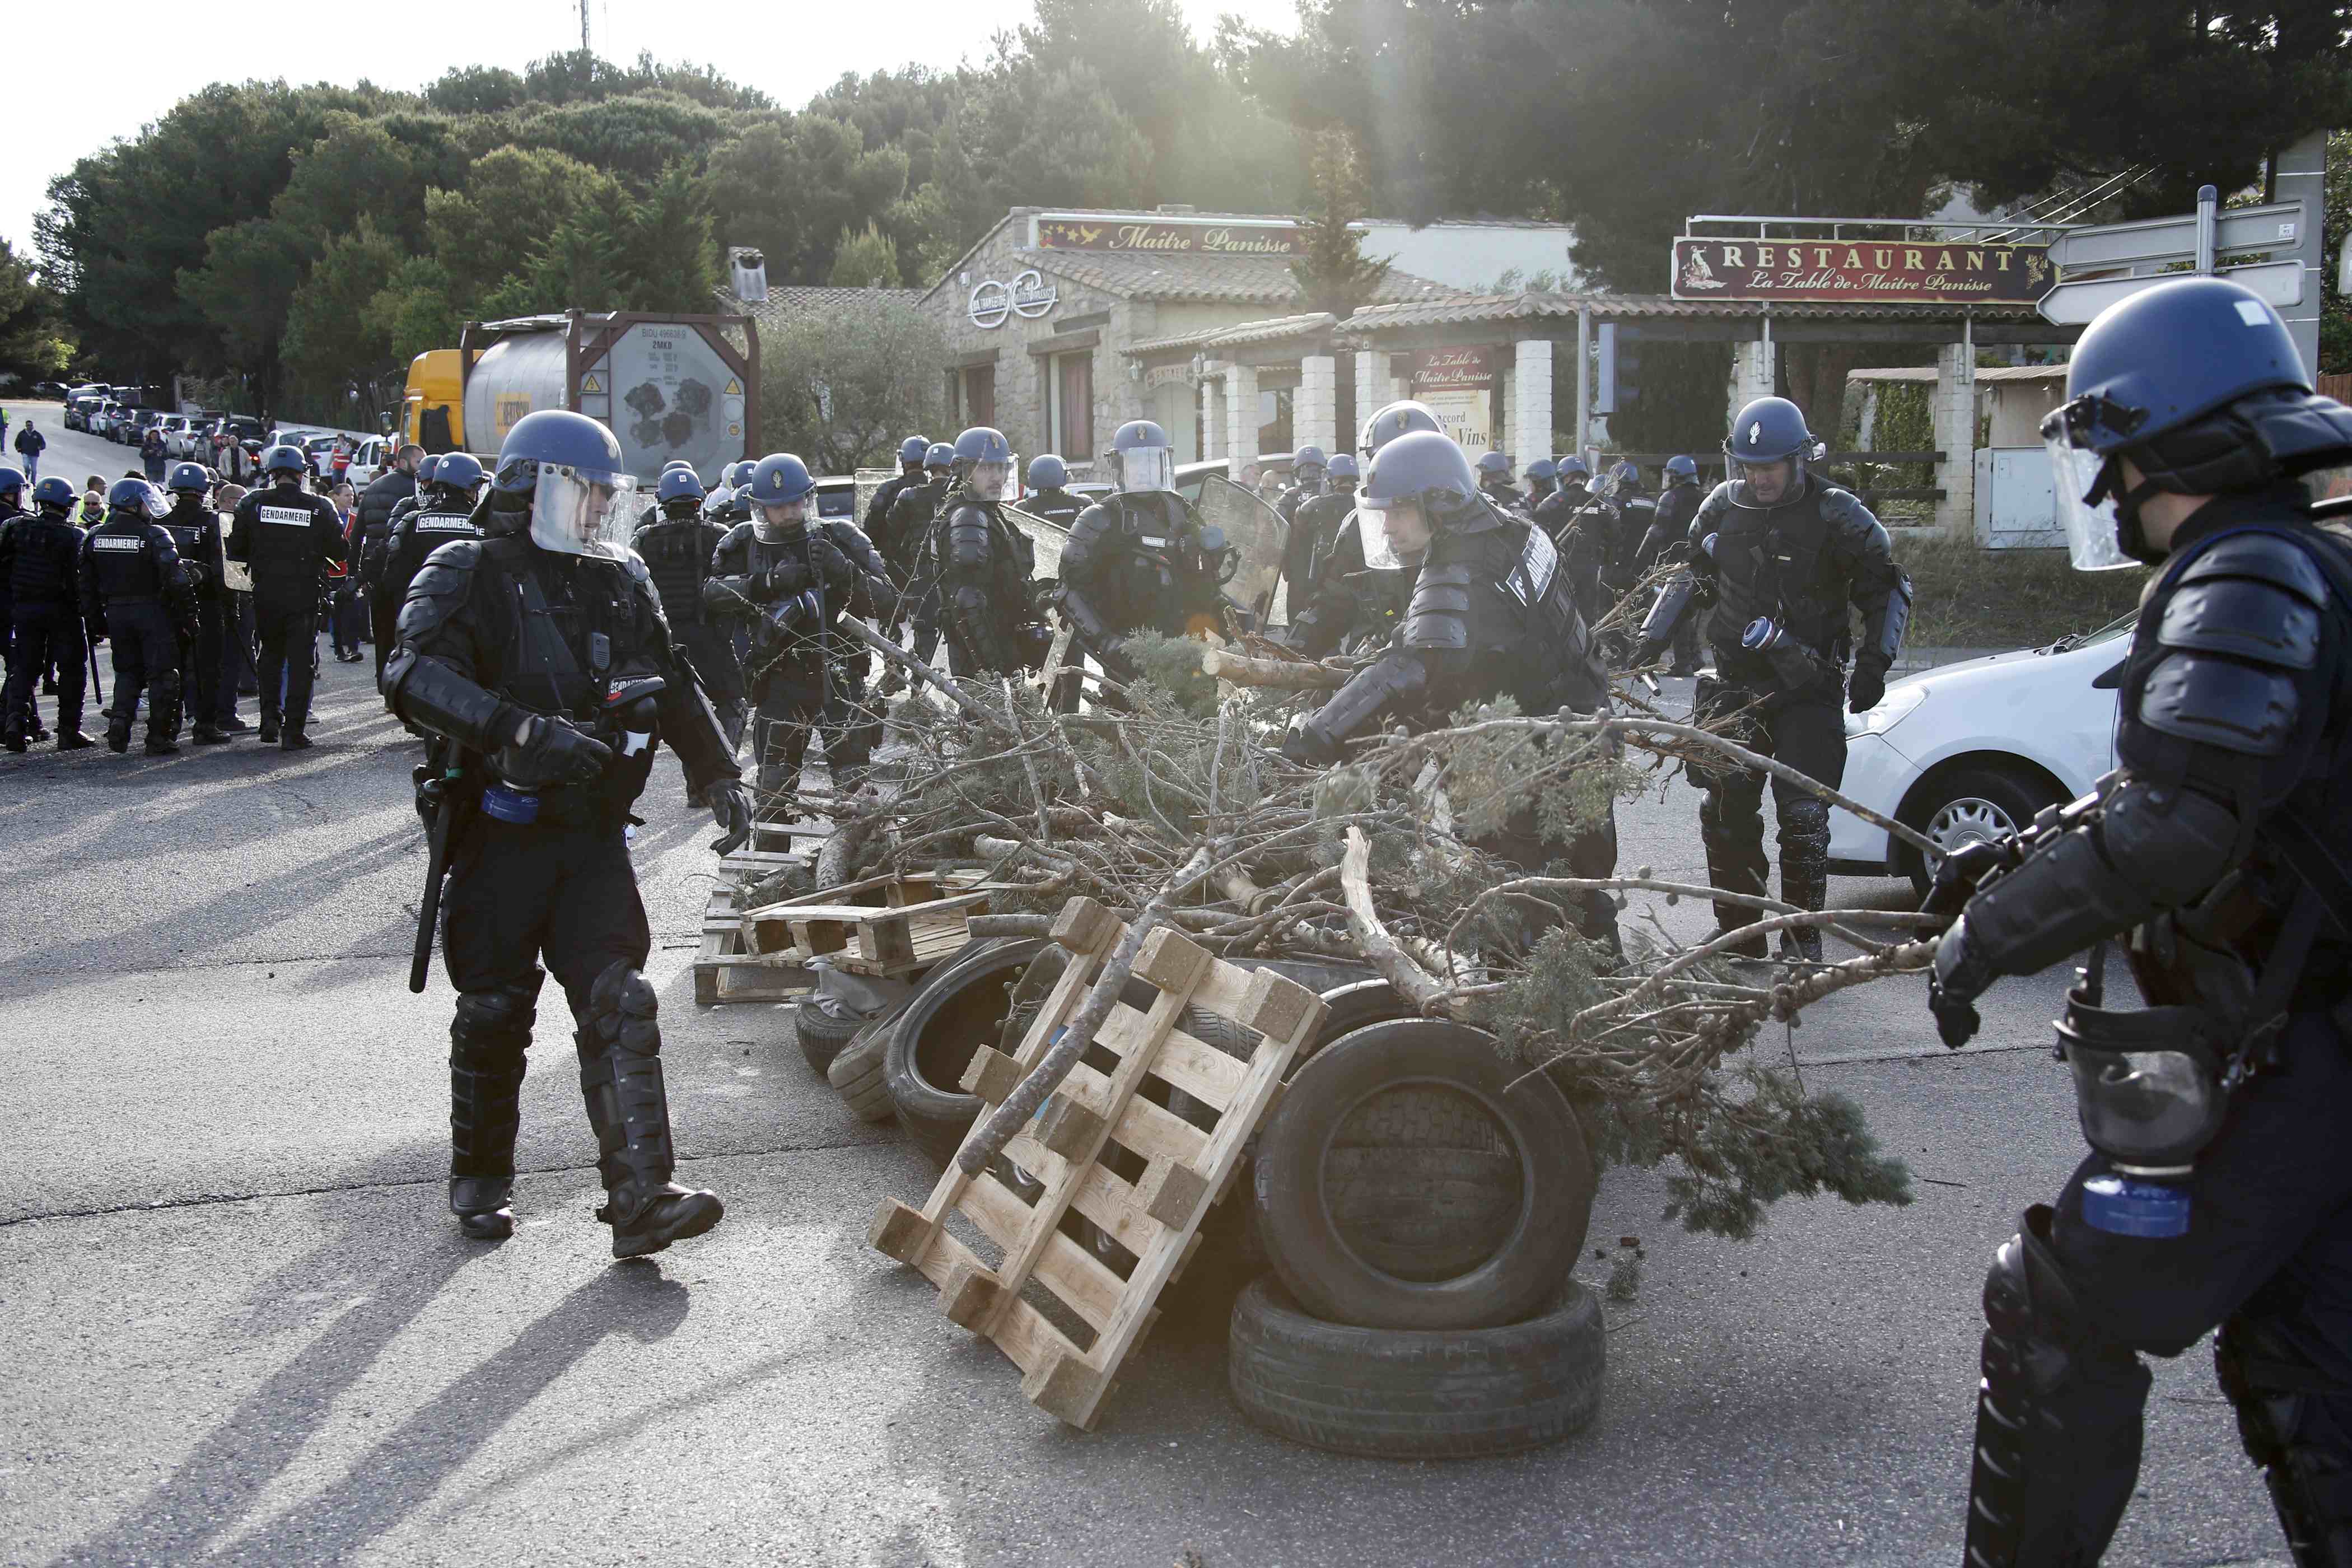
439 587
1437 615
2220 702
635 565
1843 508
2266 555
2246 618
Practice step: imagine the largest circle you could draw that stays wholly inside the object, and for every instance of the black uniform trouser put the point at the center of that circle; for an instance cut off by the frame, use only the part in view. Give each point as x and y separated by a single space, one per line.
788 705
200 661
40 636
710 650
383 616
146 660
2267 1261
853 722
1808 735
287 627
520 895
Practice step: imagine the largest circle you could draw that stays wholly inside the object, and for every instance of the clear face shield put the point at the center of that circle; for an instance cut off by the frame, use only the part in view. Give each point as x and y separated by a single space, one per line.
1764 484
581 511
1147 469
988 479
2077 475
779 520
1395 535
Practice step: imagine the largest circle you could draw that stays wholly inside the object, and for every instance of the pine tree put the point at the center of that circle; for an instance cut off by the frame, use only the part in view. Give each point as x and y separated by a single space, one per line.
1332 270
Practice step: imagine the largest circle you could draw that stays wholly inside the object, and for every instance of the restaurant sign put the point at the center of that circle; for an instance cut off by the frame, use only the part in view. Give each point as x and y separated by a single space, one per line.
1165 238
1861 271
1452 370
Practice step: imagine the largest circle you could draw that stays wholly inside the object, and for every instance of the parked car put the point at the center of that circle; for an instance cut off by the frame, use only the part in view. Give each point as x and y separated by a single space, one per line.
369 459
1972 751
49 390
837 499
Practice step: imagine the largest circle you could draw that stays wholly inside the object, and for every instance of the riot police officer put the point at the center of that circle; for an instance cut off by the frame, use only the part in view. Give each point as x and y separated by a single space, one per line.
1319 621
907 526
1543 478
40 553
1668 537
1347 603
677 548
790 576
538 654
1494 479
987 609
378 509
1579 525
1139 560
135 592
1310 471
2216 1194
1783 559
1047 497
1490 614
285 536
441 512
194 528
910 472
1637 513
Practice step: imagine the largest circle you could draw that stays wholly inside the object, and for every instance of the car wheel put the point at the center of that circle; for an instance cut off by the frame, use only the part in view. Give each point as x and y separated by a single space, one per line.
959 1009
1970 806
1417 1394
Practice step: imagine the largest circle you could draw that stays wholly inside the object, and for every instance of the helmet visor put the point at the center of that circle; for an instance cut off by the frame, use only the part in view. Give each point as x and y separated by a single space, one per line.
581 511
1393 533
989 479
2090 528
777 521
1147 469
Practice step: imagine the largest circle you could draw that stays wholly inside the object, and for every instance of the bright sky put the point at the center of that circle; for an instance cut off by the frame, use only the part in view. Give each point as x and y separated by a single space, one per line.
76 87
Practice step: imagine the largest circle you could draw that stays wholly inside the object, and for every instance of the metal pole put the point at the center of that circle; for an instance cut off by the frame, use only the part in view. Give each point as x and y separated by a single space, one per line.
2209 201
2299 173
1583 377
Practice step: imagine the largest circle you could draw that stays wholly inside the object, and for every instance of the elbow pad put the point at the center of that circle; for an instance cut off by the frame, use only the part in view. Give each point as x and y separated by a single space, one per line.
2150 849
431 695
1883 632
1366 695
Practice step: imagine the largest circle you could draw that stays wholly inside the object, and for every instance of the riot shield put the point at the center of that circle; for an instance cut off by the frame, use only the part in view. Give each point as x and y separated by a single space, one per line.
1256 533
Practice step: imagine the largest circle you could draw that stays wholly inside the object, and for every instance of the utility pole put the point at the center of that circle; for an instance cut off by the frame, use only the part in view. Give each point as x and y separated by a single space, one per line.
583 26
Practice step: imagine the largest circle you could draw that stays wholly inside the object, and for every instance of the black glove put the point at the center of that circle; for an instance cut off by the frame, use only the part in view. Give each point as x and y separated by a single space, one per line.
1646 651
1958 874
833 566
730 807
1866 689
1960 977
552 752
1307 747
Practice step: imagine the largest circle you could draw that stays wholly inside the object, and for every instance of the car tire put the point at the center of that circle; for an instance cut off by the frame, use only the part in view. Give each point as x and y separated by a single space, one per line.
960 1008
1980 801
1413 1179
855 1073
1417 1394
822 1036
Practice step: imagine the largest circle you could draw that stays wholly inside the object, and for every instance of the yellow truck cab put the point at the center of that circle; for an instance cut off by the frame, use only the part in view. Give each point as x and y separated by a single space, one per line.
433 412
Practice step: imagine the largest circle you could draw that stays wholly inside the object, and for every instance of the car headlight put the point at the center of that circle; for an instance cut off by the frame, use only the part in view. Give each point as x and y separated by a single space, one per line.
1892 710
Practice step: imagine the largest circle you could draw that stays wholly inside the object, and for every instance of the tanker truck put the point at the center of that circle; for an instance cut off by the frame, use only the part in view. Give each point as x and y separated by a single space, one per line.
667 386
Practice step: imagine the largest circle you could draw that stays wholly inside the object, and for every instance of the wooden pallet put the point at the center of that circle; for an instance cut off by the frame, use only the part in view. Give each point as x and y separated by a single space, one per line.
1093 1121
889 927
724 970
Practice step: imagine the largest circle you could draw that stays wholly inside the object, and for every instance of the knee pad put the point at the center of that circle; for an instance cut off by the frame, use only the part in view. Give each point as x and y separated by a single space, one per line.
1804 820
623 1010
2030 1301
495 1018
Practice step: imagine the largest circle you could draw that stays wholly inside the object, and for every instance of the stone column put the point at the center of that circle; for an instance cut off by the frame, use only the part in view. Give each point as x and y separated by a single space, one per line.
1315 411
1374 389
1754 374
1954 416
1240 418
1527 425
1214 417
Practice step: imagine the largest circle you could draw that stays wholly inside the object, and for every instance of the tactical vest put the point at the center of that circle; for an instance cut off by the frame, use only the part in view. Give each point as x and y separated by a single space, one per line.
125 563
676 551
1775 562
43 568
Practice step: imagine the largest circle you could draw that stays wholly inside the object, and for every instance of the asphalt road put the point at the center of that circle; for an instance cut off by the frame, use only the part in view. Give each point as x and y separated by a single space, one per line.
239 1326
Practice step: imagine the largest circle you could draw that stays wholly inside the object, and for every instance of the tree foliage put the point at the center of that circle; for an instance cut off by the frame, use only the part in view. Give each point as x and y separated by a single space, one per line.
841 387
33 341
1332 269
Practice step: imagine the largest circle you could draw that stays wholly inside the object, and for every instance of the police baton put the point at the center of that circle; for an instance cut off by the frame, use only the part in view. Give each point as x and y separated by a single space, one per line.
98 692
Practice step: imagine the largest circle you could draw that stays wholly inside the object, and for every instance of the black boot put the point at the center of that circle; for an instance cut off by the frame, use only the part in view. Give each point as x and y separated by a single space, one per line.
73 740
621 1079
487 1042
118 734
268 736
163 716
14 740
295 740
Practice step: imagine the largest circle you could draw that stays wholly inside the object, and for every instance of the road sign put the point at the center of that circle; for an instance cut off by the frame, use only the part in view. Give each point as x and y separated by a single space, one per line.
2278 227
2076 304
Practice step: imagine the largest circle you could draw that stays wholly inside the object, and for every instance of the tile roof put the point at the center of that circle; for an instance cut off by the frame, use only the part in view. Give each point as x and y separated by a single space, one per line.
1927 373
1467 308
1210 279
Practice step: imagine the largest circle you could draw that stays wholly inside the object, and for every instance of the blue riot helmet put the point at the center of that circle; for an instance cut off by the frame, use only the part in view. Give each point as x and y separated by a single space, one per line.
778 496
677 485
565 471
1048 472
427 469
1543 468
137 498
1769 432
1494 469
1394 420
983 460
285 460
1418 483
720 499
1309 466
456 475
187 479
739 474
1344 472
1682 466
938 458
1570 467
1625 477
1142 457
53 492
911 453
2197 385
677 463
11 484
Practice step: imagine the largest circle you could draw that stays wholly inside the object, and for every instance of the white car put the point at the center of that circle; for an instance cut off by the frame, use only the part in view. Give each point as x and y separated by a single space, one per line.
1972 751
